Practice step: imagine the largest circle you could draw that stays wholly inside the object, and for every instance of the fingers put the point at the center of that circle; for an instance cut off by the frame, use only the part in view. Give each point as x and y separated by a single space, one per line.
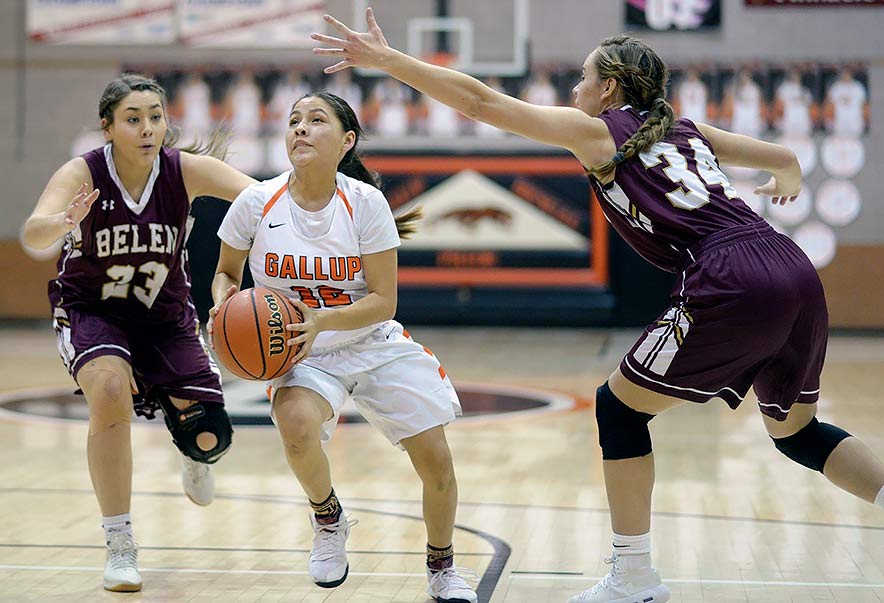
328 40
231 290
329 52
369 18
338 25
91 198
338 66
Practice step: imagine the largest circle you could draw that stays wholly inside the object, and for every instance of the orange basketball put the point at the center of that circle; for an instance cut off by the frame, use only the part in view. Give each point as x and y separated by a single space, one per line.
249 334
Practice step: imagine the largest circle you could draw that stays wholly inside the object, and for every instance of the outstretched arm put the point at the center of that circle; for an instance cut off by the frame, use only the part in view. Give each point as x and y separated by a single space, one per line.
564 127
736 149
65 201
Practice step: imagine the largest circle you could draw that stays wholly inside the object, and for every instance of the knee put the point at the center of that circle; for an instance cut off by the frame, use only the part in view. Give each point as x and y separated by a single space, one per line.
109 403
812 445
439 475
623 431
298 432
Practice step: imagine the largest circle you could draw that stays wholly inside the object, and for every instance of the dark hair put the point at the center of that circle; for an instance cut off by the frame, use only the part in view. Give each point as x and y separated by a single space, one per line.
642 76
351 164
121 87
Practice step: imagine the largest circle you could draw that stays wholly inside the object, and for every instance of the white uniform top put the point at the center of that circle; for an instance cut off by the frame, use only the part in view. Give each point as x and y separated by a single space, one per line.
848 99
796 101
312 255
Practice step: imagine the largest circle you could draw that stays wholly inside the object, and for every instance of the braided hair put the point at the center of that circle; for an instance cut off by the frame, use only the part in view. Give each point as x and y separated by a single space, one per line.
642 76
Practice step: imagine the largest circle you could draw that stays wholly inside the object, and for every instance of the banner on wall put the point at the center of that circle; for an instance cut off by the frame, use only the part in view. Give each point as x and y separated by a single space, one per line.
814 3
496 221
118 22
203 23
673 15
250 23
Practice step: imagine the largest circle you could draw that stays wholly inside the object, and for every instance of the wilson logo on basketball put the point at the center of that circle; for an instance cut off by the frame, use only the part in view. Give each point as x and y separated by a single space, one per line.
275 327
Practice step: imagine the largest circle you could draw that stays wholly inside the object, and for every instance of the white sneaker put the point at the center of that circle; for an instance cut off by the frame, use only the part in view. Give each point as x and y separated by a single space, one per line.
198 481
328 559
624 586
449 586
121 569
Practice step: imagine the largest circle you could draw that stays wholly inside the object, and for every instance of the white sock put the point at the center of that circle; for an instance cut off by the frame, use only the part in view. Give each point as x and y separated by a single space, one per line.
879 500
634 550
116 523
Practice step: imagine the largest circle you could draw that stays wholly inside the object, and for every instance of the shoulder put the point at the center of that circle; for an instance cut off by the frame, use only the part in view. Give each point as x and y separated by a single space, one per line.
262 192
358 193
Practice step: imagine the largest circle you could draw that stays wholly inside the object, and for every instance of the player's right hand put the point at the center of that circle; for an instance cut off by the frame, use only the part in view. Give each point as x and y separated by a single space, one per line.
79 206
214 310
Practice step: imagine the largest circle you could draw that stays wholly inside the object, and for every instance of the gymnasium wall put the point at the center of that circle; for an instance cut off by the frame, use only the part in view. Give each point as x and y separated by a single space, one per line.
48 94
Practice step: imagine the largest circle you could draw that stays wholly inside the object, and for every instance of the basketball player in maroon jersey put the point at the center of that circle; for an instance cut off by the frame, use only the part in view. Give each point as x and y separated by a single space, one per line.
747 309
122 308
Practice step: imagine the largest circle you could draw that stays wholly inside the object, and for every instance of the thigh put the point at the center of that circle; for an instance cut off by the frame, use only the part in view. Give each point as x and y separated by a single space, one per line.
640 398
175 357
305 381
83 337
798 417
299 408
403 390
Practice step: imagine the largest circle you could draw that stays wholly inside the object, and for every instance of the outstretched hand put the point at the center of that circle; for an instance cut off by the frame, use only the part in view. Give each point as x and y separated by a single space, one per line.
777 193
355 49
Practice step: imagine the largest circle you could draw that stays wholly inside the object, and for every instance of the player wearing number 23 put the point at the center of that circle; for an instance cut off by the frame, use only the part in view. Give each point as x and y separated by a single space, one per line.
127 329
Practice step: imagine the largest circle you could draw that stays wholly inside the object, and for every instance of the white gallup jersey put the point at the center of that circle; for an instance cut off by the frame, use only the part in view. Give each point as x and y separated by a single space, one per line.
314 256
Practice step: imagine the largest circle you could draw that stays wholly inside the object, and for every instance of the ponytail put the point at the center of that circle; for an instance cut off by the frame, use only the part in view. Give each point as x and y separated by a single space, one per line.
660 119
352 165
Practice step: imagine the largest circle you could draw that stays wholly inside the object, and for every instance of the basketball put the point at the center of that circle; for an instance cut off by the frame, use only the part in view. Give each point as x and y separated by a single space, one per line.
249 334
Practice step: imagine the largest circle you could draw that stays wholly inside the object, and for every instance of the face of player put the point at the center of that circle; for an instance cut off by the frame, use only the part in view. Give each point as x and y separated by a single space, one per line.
315 136
138 129
591 94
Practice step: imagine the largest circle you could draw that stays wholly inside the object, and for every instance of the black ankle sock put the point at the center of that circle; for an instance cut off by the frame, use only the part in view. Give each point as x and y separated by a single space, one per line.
328 511
439 559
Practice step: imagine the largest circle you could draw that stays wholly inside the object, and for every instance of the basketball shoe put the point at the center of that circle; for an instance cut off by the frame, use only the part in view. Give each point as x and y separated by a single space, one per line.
328 559
198 481
121 568
449 586
625 585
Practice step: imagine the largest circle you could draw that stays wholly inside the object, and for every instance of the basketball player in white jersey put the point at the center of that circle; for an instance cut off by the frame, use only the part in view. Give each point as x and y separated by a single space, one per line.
847 99
794 102
324 235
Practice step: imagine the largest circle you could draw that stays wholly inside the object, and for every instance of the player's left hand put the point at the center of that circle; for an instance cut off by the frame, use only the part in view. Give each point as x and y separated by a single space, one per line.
304 333
355 49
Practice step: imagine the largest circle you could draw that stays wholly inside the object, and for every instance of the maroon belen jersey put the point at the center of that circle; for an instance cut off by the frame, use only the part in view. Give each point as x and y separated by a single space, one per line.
670 196
127 259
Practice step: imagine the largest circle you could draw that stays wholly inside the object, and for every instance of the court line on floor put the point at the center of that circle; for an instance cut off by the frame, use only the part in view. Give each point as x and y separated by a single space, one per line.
572 578
487 583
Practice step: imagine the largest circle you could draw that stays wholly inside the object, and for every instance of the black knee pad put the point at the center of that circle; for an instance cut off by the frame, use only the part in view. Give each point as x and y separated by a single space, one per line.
623 431
812 445
185 425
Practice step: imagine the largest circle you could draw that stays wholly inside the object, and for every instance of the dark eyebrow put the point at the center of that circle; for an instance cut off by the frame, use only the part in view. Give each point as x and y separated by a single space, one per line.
156 106
313 110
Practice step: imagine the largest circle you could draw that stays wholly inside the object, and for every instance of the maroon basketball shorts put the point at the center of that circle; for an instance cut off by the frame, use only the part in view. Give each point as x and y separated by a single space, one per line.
170 356
748 310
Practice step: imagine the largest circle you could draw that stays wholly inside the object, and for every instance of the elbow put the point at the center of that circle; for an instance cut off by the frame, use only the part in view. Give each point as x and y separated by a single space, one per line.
475 106
31 239
390 308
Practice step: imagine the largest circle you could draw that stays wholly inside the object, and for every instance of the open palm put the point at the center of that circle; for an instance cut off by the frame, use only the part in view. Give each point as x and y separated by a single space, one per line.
354 49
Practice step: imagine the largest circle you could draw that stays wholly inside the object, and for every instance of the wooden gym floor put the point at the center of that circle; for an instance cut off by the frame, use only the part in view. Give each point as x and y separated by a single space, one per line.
734 521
